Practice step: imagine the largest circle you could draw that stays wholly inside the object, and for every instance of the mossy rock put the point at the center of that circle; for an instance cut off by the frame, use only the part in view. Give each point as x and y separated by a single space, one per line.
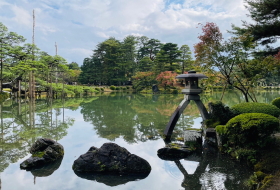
43 151
111 158
255 107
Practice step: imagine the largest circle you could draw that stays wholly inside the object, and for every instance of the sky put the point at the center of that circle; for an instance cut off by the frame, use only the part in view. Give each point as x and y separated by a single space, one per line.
77 26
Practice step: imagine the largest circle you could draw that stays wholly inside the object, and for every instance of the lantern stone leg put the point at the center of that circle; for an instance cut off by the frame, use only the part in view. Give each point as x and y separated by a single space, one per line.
190 92
203 112
179 110
174 118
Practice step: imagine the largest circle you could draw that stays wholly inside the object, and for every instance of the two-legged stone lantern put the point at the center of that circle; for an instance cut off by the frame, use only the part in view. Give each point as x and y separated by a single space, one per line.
191 92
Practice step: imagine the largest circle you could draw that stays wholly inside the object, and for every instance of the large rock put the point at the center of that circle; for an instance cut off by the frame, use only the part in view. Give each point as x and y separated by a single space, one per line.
111 158
111 179
43 152
46 169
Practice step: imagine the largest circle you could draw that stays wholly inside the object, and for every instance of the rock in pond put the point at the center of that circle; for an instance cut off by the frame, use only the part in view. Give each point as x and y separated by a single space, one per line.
173 154
111 179
47 169
43 152
111 158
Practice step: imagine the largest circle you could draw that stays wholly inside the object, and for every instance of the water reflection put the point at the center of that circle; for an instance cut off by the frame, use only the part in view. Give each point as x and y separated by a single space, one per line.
133 121
211 170
133 117
23 122
111 179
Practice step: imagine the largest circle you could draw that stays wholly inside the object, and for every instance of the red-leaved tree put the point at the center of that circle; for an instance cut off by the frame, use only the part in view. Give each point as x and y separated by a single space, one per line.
167 78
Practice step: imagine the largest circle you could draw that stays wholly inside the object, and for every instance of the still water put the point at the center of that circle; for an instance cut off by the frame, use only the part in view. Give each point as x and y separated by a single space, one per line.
133 121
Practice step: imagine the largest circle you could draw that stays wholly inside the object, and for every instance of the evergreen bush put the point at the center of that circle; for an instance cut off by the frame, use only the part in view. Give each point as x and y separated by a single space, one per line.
175 91
251 130
276 102
255 107
3 96
112 87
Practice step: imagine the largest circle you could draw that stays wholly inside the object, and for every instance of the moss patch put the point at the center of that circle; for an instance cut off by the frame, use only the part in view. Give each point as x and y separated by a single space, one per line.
38 154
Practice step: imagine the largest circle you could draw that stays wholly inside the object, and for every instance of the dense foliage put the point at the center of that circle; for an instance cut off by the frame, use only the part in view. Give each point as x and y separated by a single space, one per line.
251 130
255 107
276 102
25 62
116 62
266 28
219 114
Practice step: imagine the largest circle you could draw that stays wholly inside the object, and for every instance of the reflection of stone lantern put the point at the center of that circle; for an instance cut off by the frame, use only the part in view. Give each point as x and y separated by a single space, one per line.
191 92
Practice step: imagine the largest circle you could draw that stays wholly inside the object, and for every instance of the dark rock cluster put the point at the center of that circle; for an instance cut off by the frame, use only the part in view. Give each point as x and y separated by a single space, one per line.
44 151
111 158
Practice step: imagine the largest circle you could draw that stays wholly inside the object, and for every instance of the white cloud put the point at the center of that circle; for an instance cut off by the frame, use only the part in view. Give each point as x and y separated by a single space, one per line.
84 23
82 51
22 16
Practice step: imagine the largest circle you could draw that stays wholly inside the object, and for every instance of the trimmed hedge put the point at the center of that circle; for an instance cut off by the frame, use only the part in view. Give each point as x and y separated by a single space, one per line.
255 107
112 87
276 102
3 96
251 130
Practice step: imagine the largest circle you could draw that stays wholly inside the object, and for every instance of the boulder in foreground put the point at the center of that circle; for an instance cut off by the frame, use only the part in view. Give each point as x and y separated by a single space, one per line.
111 158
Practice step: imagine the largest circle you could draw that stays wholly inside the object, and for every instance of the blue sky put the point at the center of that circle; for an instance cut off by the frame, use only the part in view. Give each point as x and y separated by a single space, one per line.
77 26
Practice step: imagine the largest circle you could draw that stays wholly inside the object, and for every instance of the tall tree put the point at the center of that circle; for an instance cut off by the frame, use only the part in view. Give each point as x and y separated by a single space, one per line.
149 48
8 40
230 57
171 53
109 54
145 65
186 57
128 62
266 29
73 66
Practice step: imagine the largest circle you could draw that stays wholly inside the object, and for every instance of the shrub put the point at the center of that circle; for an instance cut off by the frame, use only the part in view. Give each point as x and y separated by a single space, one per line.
175 91
98 89
276 102
124 88
219 114
127 87
117 88
3 96
112 87
102 89
251 130
248 155
255 107
221 129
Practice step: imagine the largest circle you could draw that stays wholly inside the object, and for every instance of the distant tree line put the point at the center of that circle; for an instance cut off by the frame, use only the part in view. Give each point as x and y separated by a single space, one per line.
116 62
18 59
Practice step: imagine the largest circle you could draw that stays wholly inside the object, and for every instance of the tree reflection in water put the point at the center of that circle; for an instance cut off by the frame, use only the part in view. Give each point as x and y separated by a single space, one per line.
213 171
22 123
134 117
131 117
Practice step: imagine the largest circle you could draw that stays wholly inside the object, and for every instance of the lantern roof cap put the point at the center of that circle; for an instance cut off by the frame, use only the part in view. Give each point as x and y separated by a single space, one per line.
191 74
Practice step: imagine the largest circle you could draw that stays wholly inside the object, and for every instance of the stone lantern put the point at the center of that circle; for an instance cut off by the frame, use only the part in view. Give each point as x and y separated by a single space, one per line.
190 92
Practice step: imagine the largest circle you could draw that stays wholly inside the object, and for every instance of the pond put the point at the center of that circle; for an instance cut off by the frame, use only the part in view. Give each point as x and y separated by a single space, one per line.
133 121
